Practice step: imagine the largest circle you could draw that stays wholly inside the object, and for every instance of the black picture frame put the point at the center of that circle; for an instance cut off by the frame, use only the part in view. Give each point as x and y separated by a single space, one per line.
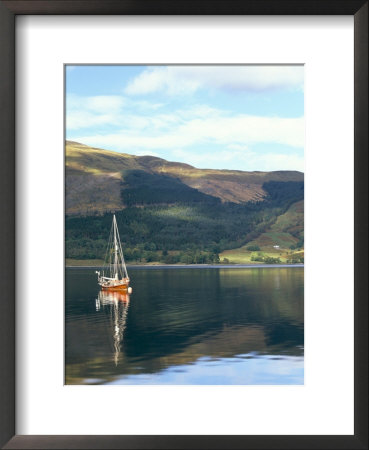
8 12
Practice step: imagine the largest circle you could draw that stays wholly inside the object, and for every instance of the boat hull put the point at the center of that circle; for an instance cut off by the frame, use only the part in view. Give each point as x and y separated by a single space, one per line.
116 287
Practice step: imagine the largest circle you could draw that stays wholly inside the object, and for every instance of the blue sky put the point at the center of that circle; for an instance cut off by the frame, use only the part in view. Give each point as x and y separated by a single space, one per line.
220 117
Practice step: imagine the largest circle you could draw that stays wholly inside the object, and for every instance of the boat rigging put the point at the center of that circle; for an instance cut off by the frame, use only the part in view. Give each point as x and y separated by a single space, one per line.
114 275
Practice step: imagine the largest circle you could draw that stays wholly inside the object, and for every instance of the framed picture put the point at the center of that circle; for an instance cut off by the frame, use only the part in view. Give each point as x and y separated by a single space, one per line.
202 203
158 84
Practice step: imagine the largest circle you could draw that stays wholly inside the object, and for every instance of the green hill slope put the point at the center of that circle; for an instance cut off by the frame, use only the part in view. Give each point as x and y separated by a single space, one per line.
172 212
284 239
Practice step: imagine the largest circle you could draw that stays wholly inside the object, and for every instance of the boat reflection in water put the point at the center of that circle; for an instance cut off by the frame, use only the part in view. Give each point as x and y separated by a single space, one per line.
115 304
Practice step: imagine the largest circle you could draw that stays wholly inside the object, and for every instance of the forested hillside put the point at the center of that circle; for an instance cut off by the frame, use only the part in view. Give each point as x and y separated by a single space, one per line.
171 212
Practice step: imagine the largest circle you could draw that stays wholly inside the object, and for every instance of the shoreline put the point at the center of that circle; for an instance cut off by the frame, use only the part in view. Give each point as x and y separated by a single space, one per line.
198 266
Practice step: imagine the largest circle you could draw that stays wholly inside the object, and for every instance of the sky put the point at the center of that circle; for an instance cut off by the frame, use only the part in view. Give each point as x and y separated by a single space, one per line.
244 117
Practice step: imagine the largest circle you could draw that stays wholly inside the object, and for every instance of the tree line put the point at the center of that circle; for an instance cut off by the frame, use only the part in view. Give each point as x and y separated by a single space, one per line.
188 231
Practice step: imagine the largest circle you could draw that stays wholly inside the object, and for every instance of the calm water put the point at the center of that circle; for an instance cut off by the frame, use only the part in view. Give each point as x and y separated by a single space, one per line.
187 326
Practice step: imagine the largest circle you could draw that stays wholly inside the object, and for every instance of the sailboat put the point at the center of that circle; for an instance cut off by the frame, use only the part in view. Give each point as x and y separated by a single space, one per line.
114 276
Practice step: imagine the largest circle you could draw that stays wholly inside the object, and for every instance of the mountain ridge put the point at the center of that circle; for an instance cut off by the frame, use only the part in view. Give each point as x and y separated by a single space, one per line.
172 212
95 179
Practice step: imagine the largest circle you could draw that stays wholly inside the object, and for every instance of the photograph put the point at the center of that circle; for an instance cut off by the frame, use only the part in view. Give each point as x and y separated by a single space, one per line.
184 224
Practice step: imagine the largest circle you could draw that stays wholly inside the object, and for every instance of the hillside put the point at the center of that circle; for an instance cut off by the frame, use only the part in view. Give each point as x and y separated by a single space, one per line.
96 180
172 212
287 232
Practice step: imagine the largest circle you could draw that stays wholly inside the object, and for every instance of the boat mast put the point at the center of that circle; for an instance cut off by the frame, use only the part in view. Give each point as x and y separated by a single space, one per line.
119 269
115 248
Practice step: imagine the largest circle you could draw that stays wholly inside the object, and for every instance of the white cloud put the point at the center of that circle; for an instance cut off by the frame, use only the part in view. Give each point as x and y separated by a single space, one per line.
247 130
241 129
98 103
104 103
200 135
241 159
177 80
200 111
276 161
92 111
85 119
143 104
85 112
147 153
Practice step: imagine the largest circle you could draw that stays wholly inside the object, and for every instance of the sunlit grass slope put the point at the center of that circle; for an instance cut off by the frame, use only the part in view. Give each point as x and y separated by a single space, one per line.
287 233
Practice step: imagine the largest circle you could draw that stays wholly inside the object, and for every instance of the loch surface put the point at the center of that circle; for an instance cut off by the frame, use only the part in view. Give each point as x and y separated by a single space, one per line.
183 325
